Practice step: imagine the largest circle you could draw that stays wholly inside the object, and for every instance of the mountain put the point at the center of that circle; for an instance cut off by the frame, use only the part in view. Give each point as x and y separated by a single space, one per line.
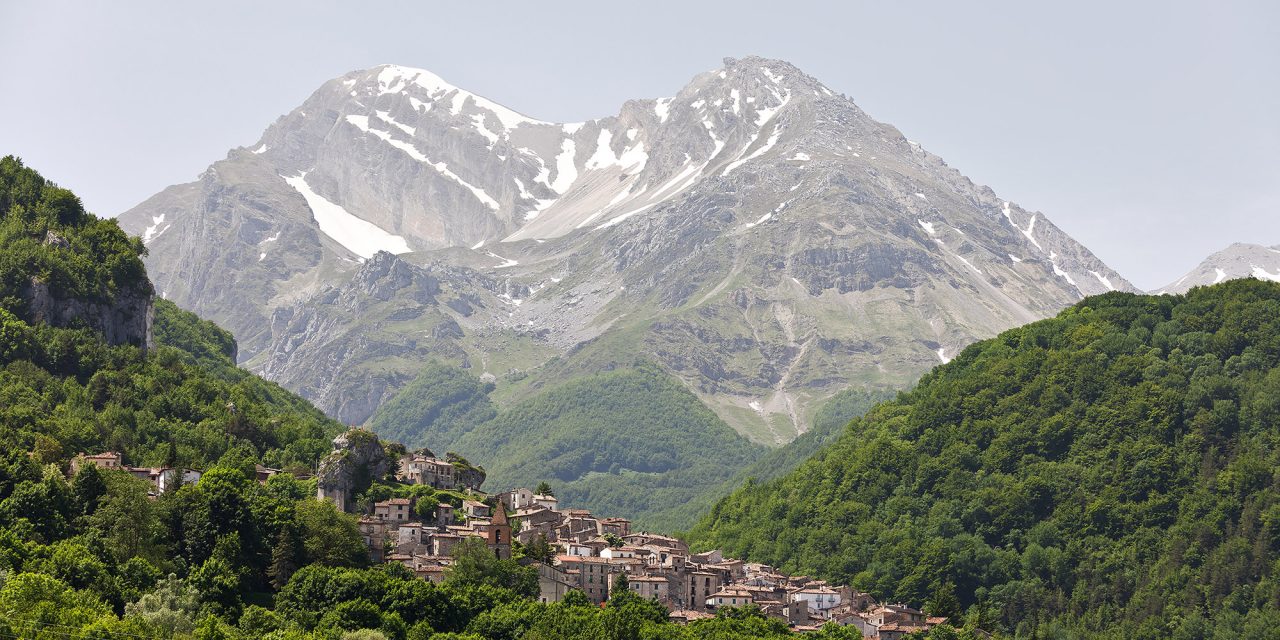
757 236
1239 260
1109 471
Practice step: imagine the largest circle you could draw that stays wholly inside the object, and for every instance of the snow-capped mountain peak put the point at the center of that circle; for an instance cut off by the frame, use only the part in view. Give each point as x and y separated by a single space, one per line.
1240 260
766 239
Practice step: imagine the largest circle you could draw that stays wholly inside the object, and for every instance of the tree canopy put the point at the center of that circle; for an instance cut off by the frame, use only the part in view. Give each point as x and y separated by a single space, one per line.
1107 470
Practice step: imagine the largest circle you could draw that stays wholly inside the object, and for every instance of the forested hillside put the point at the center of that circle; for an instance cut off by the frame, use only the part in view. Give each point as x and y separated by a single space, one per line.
1109 471
47 235
437 408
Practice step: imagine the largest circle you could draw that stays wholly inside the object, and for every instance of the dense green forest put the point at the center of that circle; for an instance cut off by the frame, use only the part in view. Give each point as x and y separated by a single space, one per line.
435 409
1110 471
828 423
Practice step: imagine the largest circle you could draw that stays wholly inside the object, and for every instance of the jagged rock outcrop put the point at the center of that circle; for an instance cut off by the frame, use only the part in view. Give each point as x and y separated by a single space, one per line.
357 459
467 475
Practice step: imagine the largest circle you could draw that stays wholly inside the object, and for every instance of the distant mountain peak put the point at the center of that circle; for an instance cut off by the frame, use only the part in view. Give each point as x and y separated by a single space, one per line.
410 81
1239 260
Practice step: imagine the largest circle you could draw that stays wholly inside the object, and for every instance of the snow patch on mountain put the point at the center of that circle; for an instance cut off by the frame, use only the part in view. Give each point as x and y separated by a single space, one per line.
566 170
358 235
396 79
362 123
1064 275
662 108
1106 282
385 116
152 232
1263 274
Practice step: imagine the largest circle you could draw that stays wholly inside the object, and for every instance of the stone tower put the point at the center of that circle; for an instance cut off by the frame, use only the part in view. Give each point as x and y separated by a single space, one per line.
500 534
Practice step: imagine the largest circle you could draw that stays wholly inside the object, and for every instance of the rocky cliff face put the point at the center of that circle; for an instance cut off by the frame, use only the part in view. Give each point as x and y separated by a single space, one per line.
1239 260
126 319
758 235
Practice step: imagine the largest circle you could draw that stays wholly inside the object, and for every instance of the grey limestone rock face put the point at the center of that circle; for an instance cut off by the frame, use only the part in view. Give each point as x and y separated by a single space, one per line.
126 319
357 457
757 235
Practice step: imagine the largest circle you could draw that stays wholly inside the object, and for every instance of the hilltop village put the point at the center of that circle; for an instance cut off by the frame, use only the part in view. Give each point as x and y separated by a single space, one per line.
573 549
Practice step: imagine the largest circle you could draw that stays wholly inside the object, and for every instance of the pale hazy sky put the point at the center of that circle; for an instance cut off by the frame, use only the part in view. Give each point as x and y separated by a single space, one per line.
1147 130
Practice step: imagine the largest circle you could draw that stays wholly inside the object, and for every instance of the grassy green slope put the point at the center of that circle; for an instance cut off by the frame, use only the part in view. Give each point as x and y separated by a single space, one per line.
1111 469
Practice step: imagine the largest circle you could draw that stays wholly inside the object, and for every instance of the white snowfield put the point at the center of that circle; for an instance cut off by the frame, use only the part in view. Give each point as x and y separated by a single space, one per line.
359 236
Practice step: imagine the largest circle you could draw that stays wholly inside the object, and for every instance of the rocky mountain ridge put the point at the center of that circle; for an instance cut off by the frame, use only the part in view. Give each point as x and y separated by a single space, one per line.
757 235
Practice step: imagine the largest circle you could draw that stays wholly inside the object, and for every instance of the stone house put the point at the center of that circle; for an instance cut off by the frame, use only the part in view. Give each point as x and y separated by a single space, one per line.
394 510
374 533
430 572
821 598
617 526
618 552
411 538
656 556
475 509
444 515
433 472
587 548
262 474
554 583
899 613
699 586
517 499
730 596
685 616
707 557
534 522
650 587
675 545
594 575
106 460
443 543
